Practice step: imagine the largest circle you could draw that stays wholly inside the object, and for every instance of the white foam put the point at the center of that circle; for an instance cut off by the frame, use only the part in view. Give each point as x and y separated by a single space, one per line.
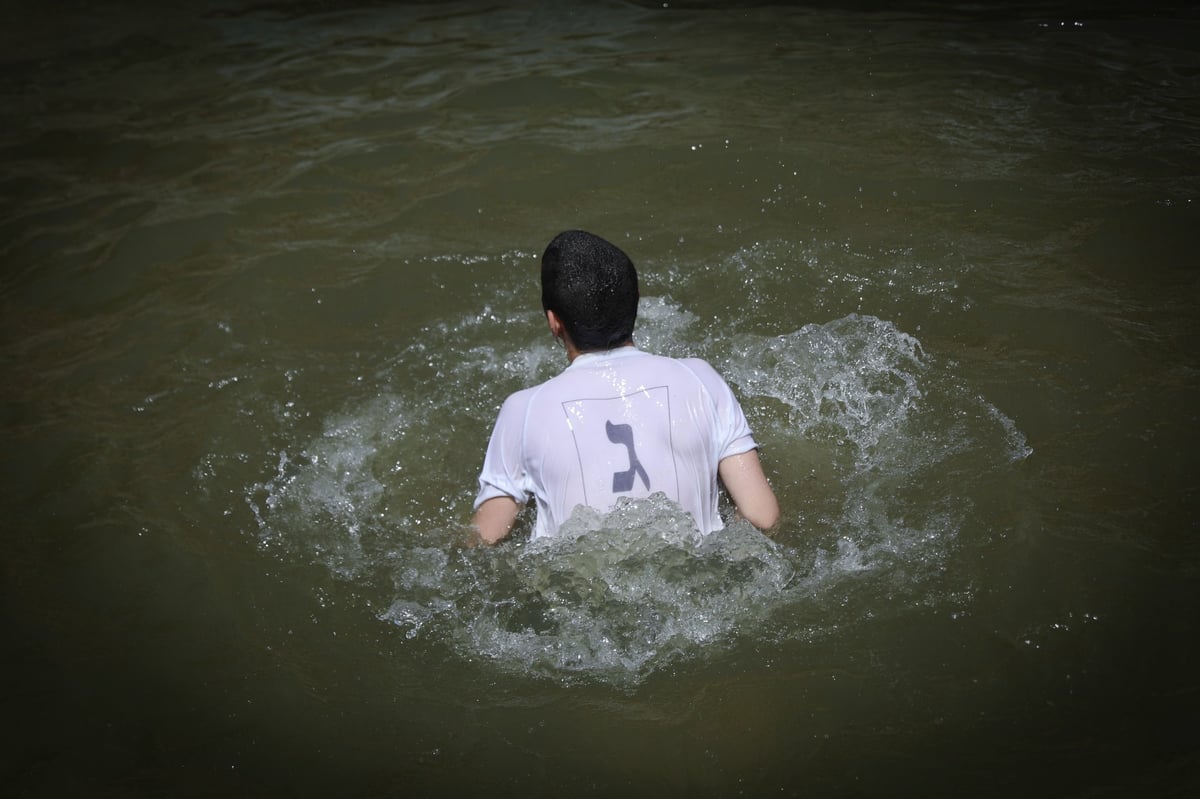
857 378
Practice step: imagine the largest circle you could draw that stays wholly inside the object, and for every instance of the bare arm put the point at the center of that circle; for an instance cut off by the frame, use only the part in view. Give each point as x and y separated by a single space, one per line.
494 519
748 488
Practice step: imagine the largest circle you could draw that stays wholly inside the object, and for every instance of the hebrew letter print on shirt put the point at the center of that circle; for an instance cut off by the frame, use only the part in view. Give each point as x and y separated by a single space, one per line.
622 482
622 447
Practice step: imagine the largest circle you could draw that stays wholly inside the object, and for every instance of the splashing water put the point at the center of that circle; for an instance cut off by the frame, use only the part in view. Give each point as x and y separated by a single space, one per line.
622 595
855 380
893 423
616 596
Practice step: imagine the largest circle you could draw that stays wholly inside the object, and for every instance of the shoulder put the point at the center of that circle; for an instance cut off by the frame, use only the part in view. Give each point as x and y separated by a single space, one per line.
714 384
694 368
699 367
703 371
522 396
516 404
694 365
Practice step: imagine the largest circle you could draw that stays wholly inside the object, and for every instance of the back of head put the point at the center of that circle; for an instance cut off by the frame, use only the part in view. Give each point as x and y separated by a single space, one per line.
591 285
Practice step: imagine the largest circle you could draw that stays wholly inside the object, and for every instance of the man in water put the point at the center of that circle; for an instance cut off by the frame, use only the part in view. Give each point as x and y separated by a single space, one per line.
617 422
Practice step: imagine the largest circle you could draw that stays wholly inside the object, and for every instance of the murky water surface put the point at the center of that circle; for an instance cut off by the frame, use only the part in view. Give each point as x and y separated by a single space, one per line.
269 271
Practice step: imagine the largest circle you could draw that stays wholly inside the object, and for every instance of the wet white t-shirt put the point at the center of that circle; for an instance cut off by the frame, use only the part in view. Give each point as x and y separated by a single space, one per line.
621 423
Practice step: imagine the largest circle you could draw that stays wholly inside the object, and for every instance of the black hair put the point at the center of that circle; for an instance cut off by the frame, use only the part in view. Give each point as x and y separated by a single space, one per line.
592 286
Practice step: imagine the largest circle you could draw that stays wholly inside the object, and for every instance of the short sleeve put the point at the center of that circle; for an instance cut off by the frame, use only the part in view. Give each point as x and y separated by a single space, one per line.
503 473
732 430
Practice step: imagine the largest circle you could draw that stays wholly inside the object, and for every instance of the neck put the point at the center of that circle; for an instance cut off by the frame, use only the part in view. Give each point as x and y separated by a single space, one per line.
573 352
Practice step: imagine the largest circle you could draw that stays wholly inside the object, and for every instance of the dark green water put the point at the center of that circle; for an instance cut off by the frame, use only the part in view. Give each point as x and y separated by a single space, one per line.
269 270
